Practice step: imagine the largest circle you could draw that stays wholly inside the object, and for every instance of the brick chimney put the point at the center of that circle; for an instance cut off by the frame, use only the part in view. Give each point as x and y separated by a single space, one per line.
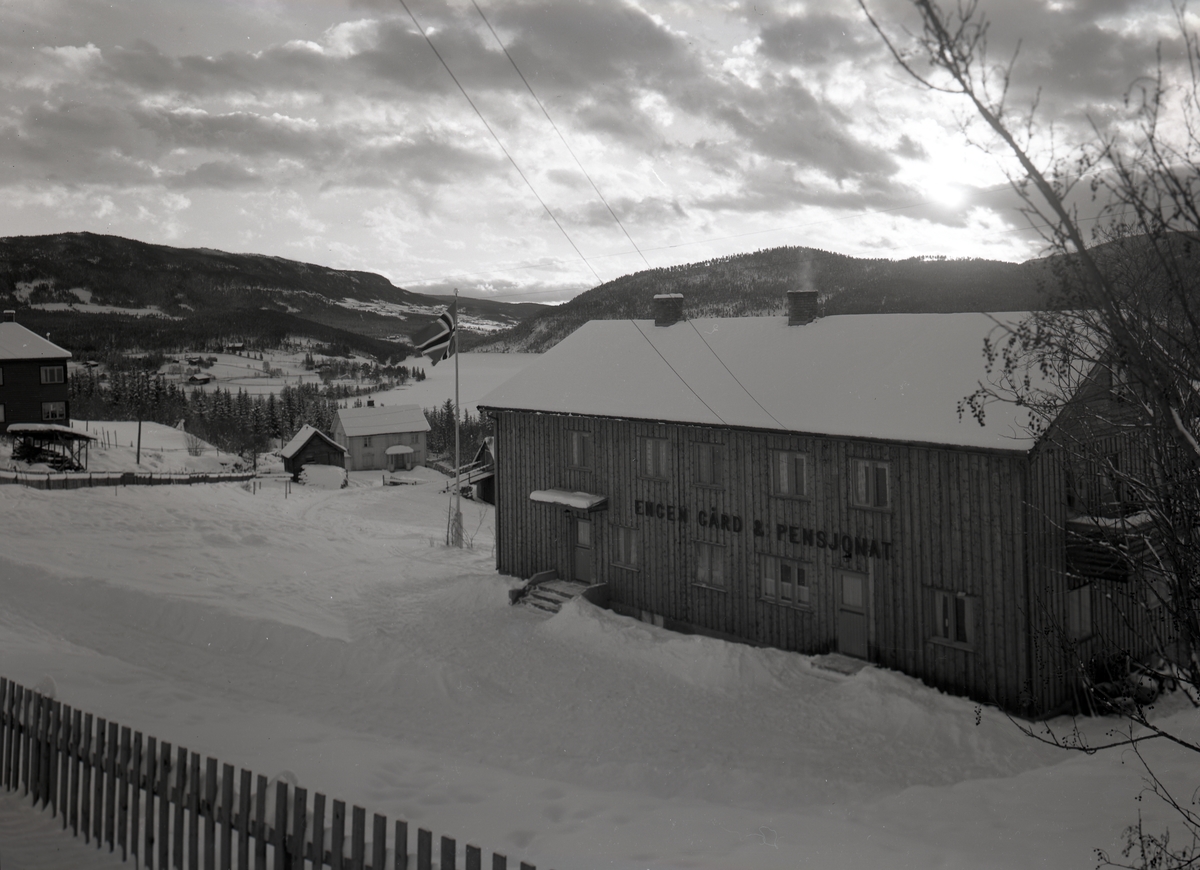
10 316
802 307
668 308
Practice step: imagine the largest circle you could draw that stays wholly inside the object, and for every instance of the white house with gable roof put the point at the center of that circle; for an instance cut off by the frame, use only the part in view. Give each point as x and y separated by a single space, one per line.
369 431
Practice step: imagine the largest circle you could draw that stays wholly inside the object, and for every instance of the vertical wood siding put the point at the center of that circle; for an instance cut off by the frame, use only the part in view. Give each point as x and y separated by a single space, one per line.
23 392
956 523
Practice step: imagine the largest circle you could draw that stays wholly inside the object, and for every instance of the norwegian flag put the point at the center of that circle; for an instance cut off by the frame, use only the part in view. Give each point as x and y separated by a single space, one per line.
437 340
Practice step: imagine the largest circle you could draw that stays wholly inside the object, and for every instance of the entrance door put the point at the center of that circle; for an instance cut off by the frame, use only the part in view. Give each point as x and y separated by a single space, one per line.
852 614
583 550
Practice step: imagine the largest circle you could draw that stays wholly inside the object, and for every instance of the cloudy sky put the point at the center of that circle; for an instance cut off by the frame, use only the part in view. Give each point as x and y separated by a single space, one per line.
328 130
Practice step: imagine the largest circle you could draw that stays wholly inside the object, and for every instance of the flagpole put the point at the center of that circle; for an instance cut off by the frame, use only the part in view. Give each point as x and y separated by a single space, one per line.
458 529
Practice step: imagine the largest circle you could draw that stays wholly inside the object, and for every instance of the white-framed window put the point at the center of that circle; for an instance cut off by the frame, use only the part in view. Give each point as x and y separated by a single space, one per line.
789 473
710 464
1079 612
626 542
953 617
53 374
580 445
710 564
52 411
871 484
784 581
366 441
652 457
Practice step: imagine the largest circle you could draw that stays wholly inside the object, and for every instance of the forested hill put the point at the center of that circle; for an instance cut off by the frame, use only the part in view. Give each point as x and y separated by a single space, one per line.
756 284
84 275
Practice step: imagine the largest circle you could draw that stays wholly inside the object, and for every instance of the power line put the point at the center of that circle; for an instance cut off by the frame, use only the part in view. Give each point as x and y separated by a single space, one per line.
732 375
678 375
463 90
562 138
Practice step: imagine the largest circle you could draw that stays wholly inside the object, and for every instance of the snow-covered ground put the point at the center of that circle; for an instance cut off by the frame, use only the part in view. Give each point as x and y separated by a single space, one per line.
328 632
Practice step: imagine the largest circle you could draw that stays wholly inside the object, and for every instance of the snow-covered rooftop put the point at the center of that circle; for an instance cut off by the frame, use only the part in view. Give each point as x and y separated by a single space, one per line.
897 377
301 438
382 420
18 342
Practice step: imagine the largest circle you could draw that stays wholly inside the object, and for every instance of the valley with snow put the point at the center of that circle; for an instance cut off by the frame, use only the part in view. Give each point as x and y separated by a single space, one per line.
330 635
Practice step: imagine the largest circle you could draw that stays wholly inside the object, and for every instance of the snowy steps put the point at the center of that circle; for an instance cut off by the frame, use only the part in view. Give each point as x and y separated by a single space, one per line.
552 595
839 664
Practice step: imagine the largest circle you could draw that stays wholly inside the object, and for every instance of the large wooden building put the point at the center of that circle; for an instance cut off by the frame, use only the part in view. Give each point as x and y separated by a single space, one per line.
804 483
33 377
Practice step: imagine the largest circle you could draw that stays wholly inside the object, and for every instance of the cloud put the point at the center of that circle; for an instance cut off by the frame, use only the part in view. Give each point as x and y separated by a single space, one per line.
220 174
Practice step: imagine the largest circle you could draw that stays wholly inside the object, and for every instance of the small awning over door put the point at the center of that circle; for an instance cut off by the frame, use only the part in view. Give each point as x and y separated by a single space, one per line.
398 450
580 501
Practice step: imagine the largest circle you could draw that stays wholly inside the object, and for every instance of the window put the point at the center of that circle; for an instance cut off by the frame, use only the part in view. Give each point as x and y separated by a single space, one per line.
1 413
653 457
52 411
871 484
1 377
789 474
710 464
581 449
784 581
366 441
52 374
1158 587
953 617
1079 612
627 547
710 565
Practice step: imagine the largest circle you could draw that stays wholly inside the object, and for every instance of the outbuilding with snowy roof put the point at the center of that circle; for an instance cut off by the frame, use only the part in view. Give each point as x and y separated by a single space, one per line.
809 483
33 377
311 446
367 433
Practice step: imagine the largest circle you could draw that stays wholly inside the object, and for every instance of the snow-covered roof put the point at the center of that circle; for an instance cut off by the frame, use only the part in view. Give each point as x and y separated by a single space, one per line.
302 437
584 501
64 433
399 450
383 420
896 377
17 342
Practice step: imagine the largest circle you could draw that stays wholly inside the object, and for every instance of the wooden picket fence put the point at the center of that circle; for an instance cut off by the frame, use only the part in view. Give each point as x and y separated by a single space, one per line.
88 479
161 807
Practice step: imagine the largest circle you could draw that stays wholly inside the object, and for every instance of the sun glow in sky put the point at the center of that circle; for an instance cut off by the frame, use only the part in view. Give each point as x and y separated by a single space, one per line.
657 133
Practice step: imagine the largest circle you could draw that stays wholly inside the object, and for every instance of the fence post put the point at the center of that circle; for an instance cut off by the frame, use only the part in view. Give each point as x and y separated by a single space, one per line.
122 779
337 835
135 816
164 805
194 815
245 828
98 783
226 817
358 836
73 799
5 729
299 818
279 837
401 845
151 791
378 842
110 790
318 833
449 848
85 792
179 798
260 830
209 810
62 755
474 858
499 862
424 849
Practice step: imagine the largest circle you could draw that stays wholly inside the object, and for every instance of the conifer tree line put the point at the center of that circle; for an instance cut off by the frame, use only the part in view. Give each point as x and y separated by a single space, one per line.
440 439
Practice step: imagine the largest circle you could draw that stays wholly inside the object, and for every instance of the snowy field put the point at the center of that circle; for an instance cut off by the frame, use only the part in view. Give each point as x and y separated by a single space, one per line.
330 634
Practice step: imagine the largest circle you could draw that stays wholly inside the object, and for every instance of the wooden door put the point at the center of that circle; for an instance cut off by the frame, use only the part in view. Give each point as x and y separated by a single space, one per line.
852 635
583 550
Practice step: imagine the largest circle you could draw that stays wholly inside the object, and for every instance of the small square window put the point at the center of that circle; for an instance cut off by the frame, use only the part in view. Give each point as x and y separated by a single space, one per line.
710 464
52 411
871 485
789 473
1079 613
652 453
53 374
581 449
954 617
626 540
367 441
1 413
784 581
710 564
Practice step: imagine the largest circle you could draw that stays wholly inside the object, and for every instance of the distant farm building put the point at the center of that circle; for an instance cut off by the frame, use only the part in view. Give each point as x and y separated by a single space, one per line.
311 446
807 483
199 378
33 377
369 431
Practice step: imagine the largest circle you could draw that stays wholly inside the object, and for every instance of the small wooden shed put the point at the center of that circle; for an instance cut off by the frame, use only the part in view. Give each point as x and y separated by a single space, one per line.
311 446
